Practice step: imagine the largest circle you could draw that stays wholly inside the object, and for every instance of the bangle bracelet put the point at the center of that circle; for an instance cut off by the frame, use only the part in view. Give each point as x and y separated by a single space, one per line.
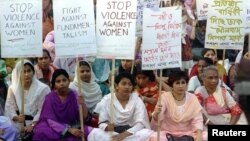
207 121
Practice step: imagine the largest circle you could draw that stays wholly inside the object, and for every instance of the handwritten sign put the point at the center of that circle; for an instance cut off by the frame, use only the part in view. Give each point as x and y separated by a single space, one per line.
202 9
161 47
115 28
248 17
140 6
226 24
21 28
74 27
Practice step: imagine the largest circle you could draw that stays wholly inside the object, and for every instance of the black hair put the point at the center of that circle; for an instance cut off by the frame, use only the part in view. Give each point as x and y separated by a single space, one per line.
122 75
208 61
245 47
202 23
177 75
56 73
30 65
242 84
149 73
45 50
121 69
205 50
84 63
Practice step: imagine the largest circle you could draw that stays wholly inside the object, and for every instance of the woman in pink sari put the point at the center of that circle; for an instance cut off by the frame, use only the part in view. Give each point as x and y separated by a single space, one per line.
180 111
219 106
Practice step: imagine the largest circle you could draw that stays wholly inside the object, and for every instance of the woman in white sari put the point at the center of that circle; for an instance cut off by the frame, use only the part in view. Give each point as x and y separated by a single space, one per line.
34 93
128 120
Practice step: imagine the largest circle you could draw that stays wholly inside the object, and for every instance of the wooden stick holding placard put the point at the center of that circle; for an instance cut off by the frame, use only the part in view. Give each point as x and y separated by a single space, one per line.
223 63
80 93
22 92
159 103
112 94
159 99
248 46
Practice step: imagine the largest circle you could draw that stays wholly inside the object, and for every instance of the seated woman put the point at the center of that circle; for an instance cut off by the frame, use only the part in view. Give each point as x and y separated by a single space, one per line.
7 131
180 112
128 120
60 113
232 73
125 66
210 53
196 81
219 106
147 88
25 83
90 89
44 68
242 84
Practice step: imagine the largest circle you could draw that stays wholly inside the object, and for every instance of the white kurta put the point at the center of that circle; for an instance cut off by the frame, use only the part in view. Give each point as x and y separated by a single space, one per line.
33 98
134 114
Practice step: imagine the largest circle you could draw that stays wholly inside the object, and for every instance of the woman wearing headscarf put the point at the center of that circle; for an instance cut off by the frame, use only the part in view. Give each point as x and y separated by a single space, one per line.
25 83
89 88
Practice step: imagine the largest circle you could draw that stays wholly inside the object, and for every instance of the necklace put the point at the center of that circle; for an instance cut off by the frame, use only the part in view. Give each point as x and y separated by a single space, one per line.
177 98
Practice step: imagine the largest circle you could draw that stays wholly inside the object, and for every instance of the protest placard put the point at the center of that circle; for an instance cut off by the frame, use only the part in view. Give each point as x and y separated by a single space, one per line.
115 28
226 24
202 9
139 17
248 17
21 28
74 28
161 47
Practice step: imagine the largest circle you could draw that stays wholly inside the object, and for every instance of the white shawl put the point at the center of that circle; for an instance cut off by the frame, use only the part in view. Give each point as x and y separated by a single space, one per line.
135 111
91 91
33 98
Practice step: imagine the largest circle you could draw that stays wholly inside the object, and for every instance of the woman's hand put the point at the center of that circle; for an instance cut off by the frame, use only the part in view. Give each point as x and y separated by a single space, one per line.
121 136
80 100
110 127
198 135
28 128
20 118
157 112
75 132
149 100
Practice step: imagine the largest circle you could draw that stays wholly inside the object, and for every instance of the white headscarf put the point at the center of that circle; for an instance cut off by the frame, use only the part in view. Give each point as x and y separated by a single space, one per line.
37 91
91 91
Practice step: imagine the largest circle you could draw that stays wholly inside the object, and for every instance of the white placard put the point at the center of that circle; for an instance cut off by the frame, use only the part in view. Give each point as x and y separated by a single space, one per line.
21 28
74 28
202 9
141 4
226 24
115 28
161 47
248 17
